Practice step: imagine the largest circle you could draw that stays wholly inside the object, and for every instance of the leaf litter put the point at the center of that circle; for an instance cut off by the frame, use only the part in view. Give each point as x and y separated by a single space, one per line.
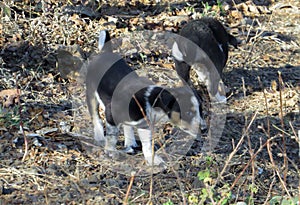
58 170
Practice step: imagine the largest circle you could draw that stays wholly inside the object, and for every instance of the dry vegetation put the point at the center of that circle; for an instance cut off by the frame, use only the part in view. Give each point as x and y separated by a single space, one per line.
256 160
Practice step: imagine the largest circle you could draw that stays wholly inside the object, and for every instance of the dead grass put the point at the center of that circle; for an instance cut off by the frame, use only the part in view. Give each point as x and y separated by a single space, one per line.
256 160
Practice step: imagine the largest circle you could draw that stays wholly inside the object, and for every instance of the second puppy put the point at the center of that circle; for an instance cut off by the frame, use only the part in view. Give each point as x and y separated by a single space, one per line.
210 36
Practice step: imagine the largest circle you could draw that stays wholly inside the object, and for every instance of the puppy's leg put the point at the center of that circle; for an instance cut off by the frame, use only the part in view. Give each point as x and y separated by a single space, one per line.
146 139
182 68
111 138
221 94
130 142
93 106
222 88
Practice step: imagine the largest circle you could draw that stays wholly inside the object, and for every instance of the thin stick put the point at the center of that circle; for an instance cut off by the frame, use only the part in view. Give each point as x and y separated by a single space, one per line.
180 185
285 161
152 131
252 165
297 139
258 34
281 130
244 87
276 169
21 125
151 127
236 148
299 152
295 134
269 136
251 159
247 165
45 194
129 188
141 109
270 190
267 106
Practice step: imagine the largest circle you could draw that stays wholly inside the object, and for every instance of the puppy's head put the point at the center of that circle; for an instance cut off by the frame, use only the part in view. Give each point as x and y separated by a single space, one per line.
183 109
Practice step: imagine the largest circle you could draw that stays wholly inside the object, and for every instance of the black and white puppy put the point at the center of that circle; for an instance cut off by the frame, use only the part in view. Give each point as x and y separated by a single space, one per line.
134 101
210 35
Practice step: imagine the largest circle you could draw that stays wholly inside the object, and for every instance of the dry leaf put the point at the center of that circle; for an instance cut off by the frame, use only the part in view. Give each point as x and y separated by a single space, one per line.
8 97
266 58
236 14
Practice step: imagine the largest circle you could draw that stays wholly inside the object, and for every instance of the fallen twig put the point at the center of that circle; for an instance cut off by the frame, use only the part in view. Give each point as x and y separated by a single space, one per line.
235 149
285 161
129 188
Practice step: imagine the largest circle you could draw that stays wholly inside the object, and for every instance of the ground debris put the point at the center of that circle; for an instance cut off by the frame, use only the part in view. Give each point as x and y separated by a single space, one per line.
43 46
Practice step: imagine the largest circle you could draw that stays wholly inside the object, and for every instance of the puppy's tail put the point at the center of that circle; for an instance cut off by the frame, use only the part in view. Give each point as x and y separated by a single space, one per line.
104 41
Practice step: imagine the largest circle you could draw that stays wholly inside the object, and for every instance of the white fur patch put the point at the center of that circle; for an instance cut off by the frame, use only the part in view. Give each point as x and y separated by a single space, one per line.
176 52
194 102
148 91
101 39
220 98
140 123
146 139
98 131
98 125
202 77
202 122
129 136
147 94
154 114
111 137
99 100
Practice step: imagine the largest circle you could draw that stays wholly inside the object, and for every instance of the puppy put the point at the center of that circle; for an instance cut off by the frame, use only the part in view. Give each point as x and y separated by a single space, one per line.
210 35
134 101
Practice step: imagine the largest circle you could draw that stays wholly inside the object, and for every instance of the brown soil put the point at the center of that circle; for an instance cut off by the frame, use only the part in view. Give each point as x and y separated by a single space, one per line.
256 160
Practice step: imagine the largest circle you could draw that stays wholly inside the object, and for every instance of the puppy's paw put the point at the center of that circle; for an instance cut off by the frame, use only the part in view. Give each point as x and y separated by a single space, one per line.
157 160
99 142
129 150
219 98
99 137
114 154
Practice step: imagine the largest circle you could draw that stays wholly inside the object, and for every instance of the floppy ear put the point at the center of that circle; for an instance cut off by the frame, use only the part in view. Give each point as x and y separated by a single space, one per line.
104 43
167 100
170 106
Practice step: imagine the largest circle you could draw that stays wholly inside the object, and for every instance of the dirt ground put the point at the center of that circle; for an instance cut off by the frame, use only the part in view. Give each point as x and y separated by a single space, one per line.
257 159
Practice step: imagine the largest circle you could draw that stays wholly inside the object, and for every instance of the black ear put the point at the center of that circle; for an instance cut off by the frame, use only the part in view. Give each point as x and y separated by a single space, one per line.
167 100
232 40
